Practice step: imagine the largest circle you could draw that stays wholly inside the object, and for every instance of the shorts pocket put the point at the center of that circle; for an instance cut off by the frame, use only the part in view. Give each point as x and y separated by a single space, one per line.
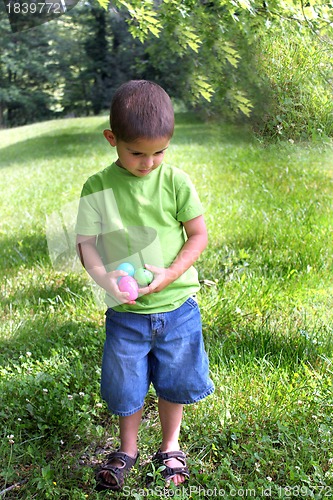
192 303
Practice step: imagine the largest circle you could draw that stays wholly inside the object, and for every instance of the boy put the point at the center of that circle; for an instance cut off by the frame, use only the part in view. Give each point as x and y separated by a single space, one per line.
141 211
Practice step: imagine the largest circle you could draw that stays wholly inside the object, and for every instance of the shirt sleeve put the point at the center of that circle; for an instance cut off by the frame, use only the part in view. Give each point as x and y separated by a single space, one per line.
188 203
89 220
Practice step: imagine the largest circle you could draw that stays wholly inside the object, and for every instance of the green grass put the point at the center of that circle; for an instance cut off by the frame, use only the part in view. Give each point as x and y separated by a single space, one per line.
267 312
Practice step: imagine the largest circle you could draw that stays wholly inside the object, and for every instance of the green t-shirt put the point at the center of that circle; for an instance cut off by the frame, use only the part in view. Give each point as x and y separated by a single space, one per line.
139 220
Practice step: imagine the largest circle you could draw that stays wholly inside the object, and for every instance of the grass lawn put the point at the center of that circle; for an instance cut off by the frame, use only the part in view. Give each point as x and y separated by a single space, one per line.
267 307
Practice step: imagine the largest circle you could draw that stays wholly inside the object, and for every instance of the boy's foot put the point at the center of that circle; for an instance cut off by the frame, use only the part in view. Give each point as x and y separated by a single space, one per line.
175 466
111 474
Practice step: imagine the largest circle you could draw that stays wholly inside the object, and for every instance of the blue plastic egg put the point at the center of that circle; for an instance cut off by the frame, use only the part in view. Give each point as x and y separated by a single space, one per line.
127 267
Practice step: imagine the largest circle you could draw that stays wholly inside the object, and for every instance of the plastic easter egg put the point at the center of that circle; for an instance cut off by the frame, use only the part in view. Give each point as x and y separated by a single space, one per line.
143 276
128 284
127 267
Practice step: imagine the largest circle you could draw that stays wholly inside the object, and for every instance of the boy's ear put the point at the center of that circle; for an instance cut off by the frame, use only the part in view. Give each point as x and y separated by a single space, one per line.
110 137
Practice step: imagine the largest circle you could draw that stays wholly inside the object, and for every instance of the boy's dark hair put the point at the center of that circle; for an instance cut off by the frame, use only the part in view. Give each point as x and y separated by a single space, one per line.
141 109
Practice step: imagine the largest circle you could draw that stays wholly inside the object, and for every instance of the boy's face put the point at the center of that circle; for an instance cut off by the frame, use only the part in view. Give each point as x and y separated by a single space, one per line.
140 157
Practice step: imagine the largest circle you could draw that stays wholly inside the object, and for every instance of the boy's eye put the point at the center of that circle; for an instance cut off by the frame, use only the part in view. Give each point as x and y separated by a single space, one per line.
141 154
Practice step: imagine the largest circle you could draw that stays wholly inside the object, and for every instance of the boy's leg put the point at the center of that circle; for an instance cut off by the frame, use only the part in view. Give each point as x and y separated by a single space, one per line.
124 384
171 418
171 415
178 344
129 427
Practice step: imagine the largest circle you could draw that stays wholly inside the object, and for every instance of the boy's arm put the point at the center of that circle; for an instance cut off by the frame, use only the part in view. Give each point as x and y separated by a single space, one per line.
197 241
92 262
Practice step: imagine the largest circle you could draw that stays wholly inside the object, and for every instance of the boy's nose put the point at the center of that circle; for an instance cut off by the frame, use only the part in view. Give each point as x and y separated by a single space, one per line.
148 162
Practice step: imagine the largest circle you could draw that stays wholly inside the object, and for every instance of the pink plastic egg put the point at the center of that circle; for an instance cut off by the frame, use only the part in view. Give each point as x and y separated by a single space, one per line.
128 284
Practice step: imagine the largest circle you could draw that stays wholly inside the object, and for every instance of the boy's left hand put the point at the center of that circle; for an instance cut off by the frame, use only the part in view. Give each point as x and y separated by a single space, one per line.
162 278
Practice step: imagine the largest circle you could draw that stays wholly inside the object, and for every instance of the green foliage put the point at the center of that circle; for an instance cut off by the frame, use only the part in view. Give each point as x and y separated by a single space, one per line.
25 77
69 66
266 64
230 42
298 68
266 304
196 29
144 18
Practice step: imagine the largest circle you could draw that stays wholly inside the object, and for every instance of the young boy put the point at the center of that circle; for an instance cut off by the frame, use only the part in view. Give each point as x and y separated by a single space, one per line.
142 211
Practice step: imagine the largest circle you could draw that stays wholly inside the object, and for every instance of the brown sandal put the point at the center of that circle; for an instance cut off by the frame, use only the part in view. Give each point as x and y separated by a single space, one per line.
161 458
117 473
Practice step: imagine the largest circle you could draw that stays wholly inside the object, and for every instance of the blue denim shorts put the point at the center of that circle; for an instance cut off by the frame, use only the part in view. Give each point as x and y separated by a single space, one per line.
165 349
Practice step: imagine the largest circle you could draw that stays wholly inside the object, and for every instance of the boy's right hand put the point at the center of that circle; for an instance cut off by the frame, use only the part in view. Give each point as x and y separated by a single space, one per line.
113 289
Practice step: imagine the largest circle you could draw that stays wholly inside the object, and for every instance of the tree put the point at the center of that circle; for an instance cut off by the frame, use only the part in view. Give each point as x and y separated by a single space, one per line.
25 77
214 54
216 33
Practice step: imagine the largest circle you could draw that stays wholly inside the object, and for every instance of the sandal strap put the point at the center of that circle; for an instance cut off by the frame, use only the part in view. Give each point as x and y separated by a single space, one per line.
128 461
117 472
163 456
169 472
